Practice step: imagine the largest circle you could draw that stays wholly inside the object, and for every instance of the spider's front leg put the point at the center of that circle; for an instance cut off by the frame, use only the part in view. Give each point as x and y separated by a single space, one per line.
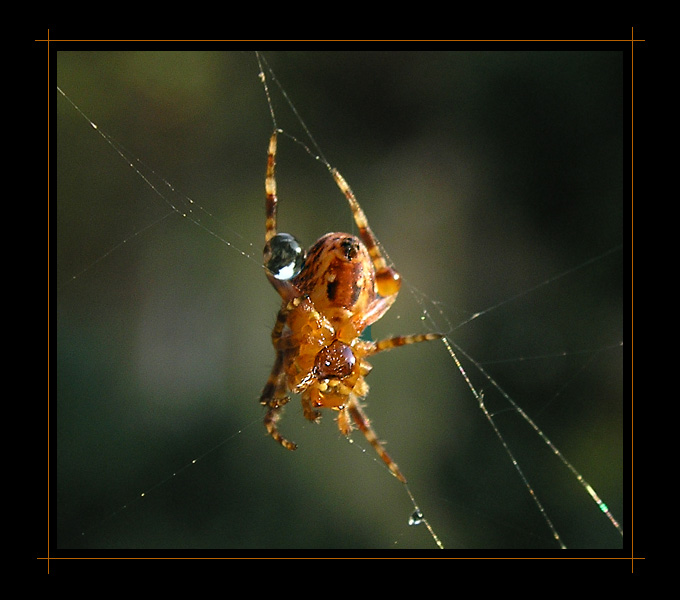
271 201
387 279
283 256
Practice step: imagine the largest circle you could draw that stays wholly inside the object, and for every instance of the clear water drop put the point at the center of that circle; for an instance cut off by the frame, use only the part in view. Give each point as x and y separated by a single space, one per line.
284 256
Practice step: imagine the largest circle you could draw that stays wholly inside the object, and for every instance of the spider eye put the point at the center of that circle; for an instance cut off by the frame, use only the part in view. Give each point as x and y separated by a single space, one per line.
283 256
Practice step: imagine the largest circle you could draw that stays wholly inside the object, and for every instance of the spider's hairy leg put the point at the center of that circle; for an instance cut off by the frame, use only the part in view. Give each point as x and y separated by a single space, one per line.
270 189
344 423
283 287
364 425
387 278
307 410
401 340
273 395
354 408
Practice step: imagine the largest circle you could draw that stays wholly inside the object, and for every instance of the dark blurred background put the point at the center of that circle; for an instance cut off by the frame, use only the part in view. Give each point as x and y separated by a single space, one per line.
484 175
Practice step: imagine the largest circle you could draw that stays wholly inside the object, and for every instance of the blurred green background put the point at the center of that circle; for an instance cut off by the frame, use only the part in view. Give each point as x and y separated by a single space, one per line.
483 174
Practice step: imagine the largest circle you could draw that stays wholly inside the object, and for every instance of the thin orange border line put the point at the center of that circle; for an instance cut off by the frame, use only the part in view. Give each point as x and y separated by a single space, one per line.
339 40
632 419
332 557
48 301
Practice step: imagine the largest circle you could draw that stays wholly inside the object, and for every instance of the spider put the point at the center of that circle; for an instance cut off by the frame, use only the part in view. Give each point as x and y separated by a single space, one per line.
330 294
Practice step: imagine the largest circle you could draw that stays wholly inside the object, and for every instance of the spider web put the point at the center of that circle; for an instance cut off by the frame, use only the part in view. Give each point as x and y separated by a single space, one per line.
512 247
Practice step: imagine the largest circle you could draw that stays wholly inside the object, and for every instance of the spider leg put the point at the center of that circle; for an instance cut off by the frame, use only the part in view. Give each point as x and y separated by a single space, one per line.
307 410
387 279
285 288
272 397
273 394
364 425
374 312
401 340
354 408
270 189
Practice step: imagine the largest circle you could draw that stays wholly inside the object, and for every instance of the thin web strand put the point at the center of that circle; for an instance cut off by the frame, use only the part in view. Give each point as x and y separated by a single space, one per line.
148 491
586 486
164 190
450 344
544 283
479 396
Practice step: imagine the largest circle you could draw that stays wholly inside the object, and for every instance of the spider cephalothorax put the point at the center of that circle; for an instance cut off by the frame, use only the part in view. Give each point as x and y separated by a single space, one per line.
330 295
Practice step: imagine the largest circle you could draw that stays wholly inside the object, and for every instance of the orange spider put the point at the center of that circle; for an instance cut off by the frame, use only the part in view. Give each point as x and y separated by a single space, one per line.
330 296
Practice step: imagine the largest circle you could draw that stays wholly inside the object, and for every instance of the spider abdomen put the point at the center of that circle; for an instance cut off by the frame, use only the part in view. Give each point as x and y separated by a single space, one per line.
338 275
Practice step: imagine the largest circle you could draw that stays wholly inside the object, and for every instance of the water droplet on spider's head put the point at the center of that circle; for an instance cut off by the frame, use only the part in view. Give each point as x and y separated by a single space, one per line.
283 256
416 518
